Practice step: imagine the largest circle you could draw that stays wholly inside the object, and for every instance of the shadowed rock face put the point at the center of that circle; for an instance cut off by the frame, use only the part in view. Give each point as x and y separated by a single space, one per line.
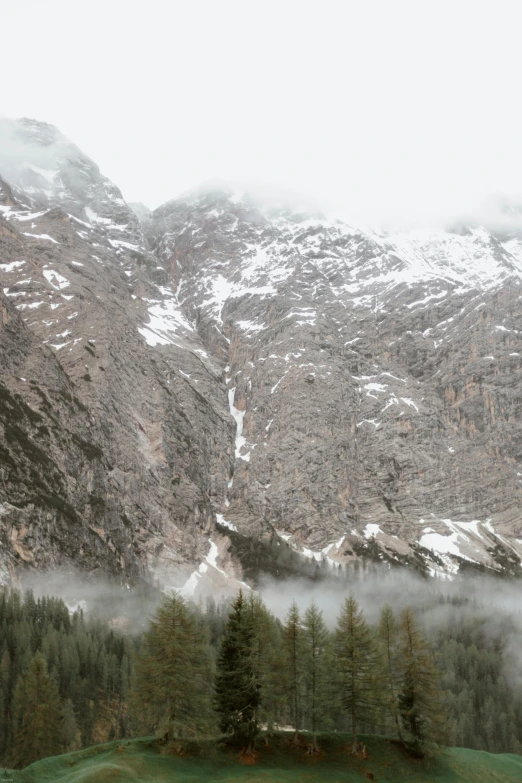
358 393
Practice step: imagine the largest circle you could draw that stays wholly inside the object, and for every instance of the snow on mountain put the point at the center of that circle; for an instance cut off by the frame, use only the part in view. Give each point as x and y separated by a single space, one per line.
258 365
48 170
267 288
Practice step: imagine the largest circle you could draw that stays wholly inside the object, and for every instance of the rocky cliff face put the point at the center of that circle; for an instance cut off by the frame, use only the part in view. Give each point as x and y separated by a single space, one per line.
228 360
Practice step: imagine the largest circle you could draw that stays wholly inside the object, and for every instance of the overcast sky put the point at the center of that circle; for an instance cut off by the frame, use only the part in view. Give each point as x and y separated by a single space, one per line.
377 109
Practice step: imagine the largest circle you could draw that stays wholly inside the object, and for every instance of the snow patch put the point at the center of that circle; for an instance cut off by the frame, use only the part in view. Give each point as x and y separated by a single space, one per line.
238 418
165 320
378 387
41 236
57 281
369 421
188 589
250 326
31 306
11 266
222 521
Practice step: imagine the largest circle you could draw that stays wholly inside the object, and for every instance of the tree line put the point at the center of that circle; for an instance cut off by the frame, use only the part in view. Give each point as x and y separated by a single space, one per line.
68 681
64 680
297 673
479 655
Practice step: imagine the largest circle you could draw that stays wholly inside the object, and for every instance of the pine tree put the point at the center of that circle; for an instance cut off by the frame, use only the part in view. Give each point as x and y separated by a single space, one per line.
293 649
173 672
5 680
317 663
388 637
69 733
5 670
237 689
420 697
359 667
36 715
269 659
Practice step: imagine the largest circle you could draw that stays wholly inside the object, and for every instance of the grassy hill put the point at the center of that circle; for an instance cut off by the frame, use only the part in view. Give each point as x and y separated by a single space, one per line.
141 761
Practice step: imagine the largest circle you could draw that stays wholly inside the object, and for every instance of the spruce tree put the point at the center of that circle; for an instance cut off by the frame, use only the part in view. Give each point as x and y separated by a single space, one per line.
36 711
359 666
316 668
237 689
388 632
269 660
173 672
5 681
69 733
293 649
420 698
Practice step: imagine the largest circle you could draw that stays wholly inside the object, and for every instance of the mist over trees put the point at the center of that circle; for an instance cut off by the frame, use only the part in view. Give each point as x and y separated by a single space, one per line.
448 672
64 679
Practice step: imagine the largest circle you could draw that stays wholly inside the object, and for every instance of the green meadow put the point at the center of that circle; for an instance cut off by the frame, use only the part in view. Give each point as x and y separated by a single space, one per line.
279 761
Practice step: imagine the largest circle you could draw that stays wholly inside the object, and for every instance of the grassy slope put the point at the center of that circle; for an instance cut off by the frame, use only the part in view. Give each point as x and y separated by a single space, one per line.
141 762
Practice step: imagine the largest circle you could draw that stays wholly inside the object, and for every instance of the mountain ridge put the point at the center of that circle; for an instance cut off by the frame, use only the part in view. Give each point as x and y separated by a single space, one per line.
265 369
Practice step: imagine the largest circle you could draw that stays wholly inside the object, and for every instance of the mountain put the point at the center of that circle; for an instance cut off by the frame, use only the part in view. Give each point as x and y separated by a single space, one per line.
229 368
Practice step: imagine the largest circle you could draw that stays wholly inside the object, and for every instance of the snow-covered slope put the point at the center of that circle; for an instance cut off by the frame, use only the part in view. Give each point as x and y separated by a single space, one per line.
47 169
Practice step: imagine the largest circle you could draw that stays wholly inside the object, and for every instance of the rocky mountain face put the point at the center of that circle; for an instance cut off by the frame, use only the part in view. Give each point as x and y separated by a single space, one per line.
228 369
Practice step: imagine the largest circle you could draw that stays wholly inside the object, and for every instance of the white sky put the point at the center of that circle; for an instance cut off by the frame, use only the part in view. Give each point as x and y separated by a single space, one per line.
377 109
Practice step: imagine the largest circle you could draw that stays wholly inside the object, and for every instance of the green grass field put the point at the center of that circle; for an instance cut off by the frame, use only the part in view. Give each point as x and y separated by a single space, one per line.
141 761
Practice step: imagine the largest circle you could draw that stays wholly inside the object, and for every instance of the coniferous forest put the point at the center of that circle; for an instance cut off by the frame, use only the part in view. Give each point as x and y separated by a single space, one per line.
64 681
233 669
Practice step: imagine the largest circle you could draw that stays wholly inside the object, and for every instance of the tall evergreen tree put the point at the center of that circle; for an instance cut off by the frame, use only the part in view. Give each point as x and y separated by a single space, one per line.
293 649
269 659
420 698
238 689
5 681
316 668
173 672
69 733
359 667
36 710
388 633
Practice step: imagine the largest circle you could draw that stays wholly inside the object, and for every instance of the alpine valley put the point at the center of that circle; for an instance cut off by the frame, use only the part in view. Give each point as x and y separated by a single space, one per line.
180 388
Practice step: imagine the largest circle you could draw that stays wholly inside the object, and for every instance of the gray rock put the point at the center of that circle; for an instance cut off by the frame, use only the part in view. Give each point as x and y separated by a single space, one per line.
357 393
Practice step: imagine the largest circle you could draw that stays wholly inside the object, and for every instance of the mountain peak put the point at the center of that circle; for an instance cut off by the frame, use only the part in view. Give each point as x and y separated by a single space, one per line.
241 363
36 159
36 131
